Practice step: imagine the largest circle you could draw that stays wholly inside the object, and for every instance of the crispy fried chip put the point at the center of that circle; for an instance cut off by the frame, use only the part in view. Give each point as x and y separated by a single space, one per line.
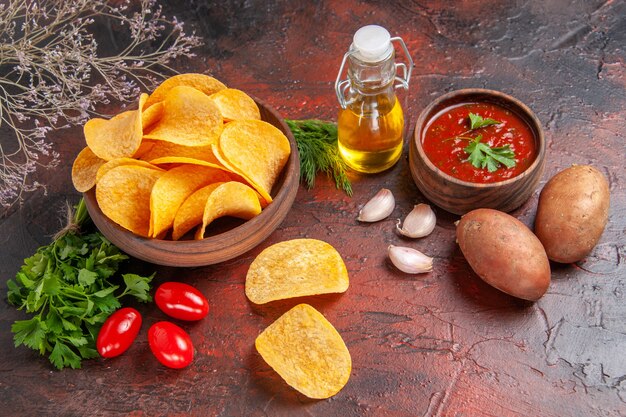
109 165
307 352
143 97
189 118
236 105
145 147
151 115
232 199
84 170
205 83
191 211
123 194
265 197
207 162
256 150
117 137
163 149
173 188
296 268
185 160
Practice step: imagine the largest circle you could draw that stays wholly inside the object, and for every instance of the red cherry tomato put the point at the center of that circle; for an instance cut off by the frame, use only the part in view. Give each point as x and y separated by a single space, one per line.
170 344
118 332
181 301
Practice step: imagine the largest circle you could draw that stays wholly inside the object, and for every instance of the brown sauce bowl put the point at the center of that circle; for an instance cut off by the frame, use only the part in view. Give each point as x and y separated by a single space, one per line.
458 196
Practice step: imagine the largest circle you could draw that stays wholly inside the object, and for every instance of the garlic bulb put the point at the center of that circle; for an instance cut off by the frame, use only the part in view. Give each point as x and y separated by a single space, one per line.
420 222
378 208
409 260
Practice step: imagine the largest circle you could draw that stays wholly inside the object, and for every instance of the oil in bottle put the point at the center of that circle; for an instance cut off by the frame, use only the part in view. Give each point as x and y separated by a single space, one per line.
371 141
371 120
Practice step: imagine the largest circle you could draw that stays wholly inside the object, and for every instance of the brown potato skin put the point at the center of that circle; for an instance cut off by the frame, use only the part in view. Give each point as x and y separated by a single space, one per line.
504 253
572 213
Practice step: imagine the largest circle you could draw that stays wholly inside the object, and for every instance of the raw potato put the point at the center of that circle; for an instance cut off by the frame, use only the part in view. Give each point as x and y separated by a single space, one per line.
572 213
504 253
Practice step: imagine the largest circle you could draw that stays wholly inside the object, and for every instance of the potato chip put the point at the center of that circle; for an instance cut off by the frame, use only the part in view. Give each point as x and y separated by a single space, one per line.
123 195
232 199
208 162
307 352
266 198
236 105
189 118
117 137
173 188
84 170
296 268
144 148
143 97
163 149
109 165
151 115
256 150
205 83
190 213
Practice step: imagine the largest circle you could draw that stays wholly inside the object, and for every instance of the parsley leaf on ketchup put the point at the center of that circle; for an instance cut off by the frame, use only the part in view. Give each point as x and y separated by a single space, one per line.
483 156
477 121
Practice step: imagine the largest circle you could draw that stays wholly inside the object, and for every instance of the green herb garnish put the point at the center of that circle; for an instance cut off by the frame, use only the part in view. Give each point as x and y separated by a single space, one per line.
317 146
477 121
68 286
483 156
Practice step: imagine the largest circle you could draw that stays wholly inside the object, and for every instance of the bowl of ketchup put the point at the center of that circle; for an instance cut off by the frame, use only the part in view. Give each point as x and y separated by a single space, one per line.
477 148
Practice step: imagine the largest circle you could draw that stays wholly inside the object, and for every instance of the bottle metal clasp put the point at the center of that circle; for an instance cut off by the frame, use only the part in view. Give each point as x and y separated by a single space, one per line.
402 81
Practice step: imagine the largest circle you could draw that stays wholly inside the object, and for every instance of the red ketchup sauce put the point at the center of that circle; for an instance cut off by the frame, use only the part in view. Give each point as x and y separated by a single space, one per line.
446 151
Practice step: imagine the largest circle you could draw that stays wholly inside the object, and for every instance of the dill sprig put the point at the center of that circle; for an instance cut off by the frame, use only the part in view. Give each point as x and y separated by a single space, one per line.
317 145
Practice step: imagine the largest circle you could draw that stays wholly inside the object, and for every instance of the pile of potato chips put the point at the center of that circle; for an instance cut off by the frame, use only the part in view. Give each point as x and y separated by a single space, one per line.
193 151
301 346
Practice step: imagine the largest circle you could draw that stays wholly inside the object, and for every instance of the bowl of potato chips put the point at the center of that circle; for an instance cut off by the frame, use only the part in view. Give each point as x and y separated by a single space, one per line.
197 174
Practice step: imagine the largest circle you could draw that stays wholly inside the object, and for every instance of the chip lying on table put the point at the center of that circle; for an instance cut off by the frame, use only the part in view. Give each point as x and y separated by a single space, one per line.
172 146
307 352
296 268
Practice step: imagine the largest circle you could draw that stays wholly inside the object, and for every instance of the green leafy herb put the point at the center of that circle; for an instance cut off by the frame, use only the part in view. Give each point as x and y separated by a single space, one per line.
68 287
317 145
477 121
483 156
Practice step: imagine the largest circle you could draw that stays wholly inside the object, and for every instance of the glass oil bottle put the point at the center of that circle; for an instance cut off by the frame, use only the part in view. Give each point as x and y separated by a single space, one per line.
371 120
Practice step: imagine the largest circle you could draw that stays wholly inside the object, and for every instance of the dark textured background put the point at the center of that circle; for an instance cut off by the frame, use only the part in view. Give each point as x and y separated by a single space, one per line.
439 344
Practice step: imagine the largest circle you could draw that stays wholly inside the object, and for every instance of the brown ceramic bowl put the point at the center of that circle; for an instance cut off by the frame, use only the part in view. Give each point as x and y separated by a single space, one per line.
234 237
458 196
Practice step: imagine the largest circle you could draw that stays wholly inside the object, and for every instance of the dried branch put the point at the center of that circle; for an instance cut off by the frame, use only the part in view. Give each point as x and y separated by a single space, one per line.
52 76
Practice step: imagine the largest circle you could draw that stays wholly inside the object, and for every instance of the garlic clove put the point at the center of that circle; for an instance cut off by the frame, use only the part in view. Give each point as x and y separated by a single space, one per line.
419 222
378 208
409 260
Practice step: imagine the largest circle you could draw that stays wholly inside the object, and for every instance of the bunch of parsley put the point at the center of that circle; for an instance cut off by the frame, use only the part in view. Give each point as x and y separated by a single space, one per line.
70 288
482 155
